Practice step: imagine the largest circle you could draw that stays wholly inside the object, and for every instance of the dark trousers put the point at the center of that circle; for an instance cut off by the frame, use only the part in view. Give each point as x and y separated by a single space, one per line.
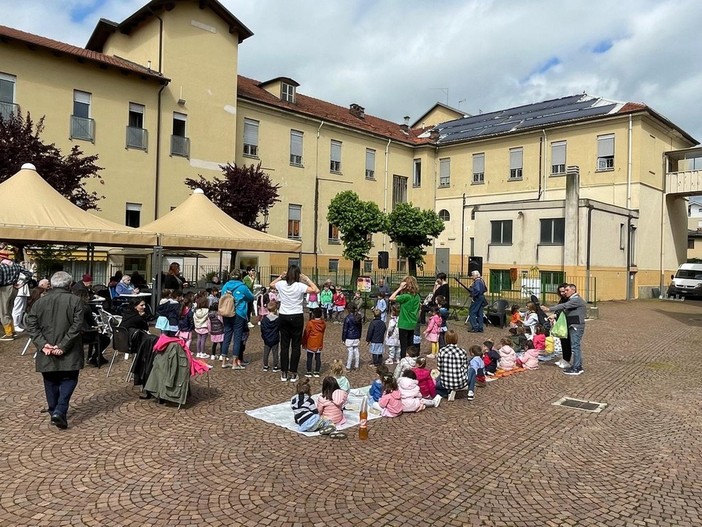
59 386
377 359
291 327
406 340
565 346
317 361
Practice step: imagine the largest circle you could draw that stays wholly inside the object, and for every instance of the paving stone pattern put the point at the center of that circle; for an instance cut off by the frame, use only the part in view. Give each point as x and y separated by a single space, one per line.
507 458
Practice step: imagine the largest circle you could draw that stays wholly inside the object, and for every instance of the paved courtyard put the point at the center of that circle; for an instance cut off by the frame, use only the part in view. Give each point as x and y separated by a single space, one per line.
508 458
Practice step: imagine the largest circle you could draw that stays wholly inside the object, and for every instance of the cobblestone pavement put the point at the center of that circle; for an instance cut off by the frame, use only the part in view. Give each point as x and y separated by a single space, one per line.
508 458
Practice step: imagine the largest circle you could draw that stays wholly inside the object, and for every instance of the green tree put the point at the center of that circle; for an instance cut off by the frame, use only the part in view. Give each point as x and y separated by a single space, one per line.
20 142
356 220
412 229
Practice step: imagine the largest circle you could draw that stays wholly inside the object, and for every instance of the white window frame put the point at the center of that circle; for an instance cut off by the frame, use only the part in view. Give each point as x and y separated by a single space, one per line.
132 207
479 168
370 163
8 106
287 92
294 220
334 237
136 135
605 152
559 154
335 156
444 215
251 137
180 144
417 173
296 147
445 172
516 163
82 127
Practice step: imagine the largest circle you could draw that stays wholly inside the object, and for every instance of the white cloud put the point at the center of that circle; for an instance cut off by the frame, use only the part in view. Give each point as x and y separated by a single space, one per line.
398 58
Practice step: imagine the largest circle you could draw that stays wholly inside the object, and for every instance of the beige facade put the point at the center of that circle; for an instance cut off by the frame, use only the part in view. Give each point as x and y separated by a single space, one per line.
165 103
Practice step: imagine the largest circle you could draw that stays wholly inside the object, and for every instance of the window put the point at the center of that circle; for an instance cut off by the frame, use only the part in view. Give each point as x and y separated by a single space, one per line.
287 92
632 245
180 144
501 232
335 157
550 280
333 265
294 218
399 189
7 94
552 231
367 266
558 158
250 137
293 261
622 236
133 215
444 215
516 158
444 172
296 148
82 126
690 243
136 135
478 169
500 280
417 173
605 152
370 163
333 234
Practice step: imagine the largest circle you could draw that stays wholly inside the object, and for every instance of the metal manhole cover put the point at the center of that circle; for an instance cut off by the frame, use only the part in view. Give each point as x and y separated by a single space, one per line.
579 404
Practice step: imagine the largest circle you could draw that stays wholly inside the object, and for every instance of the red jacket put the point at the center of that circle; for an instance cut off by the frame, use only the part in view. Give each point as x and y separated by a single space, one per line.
313 337
426 384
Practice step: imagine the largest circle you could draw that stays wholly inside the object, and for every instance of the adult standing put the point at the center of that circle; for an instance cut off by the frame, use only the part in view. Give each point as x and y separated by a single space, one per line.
575 309
10 272
477 293
19 306
452 362
174 281
407 296
234 325
250 282
85 284
292 288
383 288
54 324
565 342
441 288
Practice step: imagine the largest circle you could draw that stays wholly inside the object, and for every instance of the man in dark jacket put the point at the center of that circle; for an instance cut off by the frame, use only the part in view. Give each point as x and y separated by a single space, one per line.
54 324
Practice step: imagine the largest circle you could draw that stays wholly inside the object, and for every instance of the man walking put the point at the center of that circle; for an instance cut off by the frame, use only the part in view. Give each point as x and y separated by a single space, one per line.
575 309
54 324
477 293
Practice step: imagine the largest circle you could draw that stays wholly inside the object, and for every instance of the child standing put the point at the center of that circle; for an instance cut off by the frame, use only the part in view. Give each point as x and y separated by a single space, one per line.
313 341
432 332
325 297
200 318
331 401
270 333
337 370
339 304
306 413
392 341
185 320
508 358
475 369
262 304
410 361
312 303
375 335
390 404
351 336
215 326
381 305
444 314
375 392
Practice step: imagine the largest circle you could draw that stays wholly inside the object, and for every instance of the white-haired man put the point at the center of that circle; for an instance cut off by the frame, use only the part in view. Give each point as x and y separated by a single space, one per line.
477 293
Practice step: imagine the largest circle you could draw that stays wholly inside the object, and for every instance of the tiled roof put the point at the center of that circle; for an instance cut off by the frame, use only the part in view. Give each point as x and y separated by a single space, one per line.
251 89
10 34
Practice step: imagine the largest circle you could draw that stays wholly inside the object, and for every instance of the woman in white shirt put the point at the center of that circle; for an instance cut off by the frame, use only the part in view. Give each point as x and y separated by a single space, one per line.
292 288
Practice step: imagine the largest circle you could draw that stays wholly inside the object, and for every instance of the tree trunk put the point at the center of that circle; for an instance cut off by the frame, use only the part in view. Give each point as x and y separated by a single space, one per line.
412 267
355 273
232 262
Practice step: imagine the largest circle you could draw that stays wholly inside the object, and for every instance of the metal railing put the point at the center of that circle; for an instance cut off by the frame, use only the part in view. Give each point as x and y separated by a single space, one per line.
7 109
180 146
82 128
137 137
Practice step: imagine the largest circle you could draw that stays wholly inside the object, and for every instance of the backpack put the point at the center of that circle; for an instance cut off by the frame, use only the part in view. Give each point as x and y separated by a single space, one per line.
226 305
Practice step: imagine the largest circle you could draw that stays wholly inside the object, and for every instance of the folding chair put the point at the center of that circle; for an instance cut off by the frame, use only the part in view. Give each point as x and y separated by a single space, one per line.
120 343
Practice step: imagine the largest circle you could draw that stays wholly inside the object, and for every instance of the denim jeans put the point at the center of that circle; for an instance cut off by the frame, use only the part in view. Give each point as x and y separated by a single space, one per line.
233 330
59 386
575 334
441 389
476 314
472 376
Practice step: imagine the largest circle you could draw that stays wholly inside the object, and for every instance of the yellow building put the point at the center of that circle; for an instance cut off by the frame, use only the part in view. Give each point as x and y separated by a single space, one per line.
577 187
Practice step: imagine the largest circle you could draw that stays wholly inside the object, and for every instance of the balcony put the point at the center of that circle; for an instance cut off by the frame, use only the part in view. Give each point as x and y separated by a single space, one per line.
82 128
7 109
684 174
180 146
137 138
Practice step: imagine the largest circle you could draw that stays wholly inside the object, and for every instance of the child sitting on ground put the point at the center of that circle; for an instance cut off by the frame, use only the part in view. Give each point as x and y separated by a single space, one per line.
374 336
529 359
313 341
375 392
392 341
490 357
412 400
427 384
518 338
390 404
332 400
475 369
410 361
432 332
337 370
351 336
516 319
508 358
306 413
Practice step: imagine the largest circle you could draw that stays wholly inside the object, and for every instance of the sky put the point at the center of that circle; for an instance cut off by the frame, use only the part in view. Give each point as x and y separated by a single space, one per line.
397 58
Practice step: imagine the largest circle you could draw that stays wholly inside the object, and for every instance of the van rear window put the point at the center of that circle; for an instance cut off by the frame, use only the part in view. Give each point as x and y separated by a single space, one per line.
690 274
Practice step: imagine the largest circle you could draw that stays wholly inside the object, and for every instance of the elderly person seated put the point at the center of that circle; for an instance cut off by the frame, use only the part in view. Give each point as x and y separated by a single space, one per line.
124 287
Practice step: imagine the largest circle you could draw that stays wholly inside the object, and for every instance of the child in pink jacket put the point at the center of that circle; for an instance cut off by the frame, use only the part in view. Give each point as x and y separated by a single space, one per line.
432 332
412 400
508 358
426 383
332 400
390 403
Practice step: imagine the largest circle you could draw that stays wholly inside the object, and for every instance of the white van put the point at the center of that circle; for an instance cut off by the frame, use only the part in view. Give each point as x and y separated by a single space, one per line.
687 280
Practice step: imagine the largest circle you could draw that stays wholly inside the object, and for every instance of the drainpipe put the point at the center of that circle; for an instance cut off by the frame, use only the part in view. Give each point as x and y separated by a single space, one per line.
385 189
542 160
463 230
628 166
158 122
316 205
587 255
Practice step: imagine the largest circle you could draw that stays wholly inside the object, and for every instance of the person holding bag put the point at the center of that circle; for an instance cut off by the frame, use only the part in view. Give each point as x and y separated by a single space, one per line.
575 310
233 307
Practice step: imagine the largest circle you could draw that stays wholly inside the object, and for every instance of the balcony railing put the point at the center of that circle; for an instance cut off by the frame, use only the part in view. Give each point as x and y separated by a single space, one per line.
82 128
180 146
7 109
137 138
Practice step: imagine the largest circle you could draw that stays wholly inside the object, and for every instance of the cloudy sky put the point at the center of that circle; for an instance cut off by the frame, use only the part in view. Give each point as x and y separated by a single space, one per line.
399 57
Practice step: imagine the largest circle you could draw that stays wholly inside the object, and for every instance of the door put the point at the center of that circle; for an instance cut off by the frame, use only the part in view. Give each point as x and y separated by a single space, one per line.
442 260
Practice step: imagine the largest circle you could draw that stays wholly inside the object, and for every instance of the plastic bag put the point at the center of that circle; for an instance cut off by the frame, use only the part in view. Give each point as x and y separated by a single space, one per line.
560 328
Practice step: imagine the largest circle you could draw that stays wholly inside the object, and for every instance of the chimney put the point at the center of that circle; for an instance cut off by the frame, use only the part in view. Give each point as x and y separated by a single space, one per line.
357 111
434 134
405 126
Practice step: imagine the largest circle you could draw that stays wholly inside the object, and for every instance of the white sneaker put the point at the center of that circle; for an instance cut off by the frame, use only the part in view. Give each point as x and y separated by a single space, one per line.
126 356
563 364
389 361
251 325
19 329
471 395
212 357
221 357
437 401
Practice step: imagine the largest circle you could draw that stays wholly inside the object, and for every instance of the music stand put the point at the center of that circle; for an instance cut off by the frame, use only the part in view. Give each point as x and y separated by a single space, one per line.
454 313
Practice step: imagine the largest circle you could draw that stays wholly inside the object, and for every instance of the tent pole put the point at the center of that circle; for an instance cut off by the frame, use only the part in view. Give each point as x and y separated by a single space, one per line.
220 268
156 266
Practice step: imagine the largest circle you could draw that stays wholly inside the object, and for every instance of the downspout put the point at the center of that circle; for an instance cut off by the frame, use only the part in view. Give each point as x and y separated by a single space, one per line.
628 167
542 160
463 230
157 177
587 255
385 189
317 249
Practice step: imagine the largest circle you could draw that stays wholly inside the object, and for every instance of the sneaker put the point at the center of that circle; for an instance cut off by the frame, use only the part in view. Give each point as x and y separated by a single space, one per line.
573 371
308 374
437 401
389 361
431 356
562 364
276 369
226 364
213 357
283 377
265 368
19 329
471 395
251 325
220 357
238 367
293 377
489 374
316 374
452 395
7 338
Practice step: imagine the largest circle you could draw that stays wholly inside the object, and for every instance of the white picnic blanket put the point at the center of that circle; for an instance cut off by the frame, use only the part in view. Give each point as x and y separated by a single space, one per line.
281 414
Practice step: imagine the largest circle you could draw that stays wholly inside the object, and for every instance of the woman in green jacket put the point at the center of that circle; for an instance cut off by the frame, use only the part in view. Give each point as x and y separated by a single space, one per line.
407 296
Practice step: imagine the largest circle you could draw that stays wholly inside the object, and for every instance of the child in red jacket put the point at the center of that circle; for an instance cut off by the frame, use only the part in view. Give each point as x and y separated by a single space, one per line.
426 383
313 341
